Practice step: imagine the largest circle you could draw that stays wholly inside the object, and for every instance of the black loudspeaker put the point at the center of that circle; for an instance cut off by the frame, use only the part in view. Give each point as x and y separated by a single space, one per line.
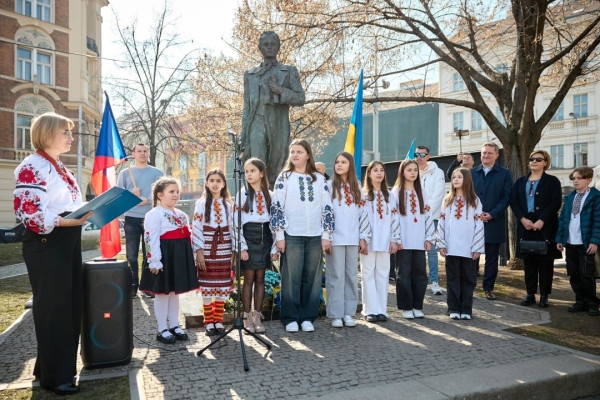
107 323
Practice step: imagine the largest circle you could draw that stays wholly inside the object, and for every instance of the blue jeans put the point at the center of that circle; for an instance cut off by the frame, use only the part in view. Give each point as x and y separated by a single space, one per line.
134 232
301 275
432 259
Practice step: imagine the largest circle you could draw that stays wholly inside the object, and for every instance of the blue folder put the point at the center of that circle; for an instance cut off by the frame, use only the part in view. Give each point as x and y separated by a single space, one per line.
108 206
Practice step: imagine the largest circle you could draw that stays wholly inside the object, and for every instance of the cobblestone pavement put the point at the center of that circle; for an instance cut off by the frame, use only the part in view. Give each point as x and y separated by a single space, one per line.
309 364
19 269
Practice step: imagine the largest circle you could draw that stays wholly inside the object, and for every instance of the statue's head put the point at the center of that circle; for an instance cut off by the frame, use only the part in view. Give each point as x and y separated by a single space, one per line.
269 44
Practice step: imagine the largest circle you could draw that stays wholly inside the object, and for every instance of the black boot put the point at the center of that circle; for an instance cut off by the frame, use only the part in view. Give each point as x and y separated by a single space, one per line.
528 300
544 301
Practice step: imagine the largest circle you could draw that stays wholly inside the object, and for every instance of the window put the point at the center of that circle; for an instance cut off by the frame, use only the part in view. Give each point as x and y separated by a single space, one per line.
560 113
580 105
40 9
557 156
183 162
580 151
476 121
23 132
500 116
42 67
458 120
459 83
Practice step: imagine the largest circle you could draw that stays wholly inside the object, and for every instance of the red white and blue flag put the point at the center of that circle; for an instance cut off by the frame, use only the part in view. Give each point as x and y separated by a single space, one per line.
109 153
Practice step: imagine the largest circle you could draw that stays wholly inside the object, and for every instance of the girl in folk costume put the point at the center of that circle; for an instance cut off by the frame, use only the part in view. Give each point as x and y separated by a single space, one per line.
256 240
351 236
380 205
171 270
212 243
302 218
461 239
419 233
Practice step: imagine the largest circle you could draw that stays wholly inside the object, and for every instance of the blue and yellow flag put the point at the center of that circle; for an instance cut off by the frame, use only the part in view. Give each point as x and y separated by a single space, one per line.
354 138
411 152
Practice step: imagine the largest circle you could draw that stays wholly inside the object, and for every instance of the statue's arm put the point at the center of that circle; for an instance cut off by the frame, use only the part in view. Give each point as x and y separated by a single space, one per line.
294 96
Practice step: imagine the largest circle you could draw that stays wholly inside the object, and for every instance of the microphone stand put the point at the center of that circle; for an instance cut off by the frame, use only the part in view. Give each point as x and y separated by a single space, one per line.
239 320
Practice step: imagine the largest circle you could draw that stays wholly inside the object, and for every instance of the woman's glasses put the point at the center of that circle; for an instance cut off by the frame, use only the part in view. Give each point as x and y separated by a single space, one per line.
67 133
536 159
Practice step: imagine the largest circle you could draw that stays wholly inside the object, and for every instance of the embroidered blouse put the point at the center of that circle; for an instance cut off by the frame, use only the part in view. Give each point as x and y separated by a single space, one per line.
42 194
301 206
417 227
157 222
352 222
460 229
383 219
258 213
217 218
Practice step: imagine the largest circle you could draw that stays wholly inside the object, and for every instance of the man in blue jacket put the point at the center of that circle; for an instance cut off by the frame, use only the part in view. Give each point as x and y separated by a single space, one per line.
493 185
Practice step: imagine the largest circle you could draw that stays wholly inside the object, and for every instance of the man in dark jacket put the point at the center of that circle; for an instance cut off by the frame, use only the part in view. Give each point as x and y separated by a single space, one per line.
462 160
493 185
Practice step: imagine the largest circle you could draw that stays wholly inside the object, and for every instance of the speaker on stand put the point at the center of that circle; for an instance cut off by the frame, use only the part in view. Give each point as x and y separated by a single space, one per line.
107 323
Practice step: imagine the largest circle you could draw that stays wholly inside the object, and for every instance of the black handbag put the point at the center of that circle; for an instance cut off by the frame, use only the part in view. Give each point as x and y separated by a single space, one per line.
534 247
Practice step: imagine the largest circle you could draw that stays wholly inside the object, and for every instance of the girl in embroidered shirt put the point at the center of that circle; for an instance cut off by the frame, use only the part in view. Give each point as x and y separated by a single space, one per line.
302 218
256 240
460 238
351 236
380 205
212 244
171 270
417 225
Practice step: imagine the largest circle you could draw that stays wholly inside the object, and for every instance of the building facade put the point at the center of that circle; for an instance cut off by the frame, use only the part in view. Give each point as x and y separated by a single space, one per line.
49 61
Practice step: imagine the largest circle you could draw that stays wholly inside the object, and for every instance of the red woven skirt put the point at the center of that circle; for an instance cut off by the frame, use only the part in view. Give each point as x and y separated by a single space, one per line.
216 280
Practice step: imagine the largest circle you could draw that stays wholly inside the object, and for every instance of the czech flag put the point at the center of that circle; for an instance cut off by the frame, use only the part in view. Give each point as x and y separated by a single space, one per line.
109 153
354 138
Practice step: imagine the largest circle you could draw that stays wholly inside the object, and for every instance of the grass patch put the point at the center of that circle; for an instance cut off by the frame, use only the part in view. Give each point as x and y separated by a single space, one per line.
11 253
14 292
105 389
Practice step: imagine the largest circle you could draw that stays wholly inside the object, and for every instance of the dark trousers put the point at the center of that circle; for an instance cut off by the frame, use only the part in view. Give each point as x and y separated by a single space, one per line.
393 266
134 232
411 279
461 275
301 276
538 270
580 268
490 272
56 275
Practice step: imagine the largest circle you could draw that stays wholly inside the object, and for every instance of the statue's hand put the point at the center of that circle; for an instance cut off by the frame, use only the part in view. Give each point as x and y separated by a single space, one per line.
275 88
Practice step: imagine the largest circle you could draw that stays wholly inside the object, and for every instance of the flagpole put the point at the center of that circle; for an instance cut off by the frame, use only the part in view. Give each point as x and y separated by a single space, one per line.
79 147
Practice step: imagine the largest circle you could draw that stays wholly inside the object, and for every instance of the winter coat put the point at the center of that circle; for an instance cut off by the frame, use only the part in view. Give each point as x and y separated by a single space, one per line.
494 192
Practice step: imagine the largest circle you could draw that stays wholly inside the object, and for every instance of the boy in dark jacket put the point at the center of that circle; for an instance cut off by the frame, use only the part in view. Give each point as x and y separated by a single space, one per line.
579 233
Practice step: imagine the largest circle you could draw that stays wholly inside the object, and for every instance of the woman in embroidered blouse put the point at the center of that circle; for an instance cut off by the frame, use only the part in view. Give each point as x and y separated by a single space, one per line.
418 231
302 218
461 240
45 193
171 267
211 241
256 240
380 205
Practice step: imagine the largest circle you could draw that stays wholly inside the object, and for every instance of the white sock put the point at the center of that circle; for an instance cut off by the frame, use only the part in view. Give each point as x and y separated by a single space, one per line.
174 311
161 305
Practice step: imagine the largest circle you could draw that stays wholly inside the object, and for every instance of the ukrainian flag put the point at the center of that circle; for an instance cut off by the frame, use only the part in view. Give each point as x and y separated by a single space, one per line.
354 139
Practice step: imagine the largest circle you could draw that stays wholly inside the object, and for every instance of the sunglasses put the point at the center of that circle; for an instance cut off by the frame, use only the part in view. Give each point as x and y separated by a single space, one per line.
421 155
537 159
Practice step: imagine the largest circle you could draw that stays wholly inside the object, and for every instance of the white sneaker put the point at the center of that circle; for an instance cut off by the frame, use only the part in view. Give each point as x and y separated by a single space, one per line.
408 314
436 289
466 317
307 326
418 313
336 323
349 321
292 327
454 315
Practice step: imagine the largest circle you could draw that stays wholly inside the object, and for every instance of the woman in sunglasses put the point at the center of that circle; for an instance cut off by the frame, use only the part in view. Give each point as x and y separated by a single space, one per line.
535 201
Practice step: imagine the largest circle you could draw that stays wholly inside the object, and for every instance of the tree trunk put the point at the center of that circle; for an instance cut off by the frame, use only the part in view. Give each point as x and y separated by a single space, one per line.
515 164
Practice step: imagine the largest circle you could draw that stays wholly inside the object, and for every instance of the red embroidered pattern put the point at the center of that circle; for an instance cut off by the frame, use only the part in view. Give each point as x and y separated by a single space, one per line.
348 200
217 208
28 175
361 204
442 216
198 217
413 204
459 207
394 211
260 203
477 217
379 205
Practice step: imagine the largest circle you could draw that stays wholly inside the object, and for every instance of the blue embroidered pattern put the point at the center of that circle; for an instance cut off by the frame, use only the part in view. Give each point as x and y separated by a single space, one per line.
311 192
277 217
280 181
301 183
328 219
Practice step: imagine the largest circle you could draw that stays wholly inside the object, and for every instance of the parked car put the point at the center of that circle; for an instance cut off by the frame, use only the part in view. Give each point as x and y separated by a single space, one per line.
92 231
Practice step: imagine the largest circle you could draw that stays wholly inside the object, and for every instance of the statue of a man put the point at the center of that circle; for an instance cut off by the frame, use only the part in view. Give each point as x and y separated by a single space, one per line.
269 90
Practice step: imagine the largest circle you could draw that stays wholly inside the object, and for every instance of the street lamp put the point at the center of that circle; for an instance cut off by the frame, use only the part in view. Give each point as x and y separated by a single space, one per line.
385 84
577 152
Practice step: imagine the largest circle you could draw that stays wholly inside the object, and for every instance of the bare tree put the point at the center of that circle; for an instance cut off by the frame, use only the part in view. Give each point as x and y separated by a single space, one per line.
154 84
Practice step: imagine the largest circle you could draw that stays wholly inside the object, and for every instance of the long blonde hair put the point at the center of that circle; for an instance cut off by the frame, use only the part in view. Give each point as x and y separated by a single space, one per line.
467 188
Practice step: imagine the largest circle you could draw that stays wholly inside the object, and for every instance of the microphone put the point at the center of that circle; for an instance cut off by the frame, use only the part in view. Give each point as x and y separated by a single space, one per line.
231 132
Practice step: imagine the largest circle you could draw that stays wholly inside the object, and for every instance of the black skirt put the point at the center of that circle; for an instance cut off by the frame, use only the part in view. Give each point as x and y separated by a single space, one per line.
179 272
259 240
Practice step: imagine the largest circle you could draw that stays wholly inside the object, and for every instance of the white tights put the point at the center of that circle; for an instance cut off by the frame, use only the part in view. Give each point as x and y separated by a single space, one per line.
166 306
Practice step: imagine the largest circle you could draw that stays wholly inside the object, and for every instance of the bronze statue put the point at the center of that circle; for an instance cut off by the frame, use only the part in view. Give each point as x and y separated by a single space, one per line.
269 90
